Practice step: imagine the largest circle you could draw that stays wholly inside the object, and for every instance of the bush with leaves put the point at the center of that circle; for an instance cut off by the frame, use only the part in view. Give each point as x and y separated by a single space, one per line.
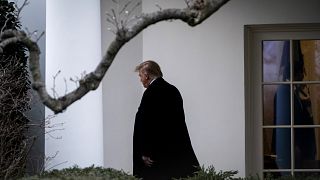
99 173
89 173
14 99
210 173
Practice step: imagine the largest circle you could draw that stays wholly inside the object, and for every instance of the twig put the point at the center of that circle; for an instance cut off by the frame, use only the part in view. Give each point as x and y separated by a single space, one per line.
187 2
115 19
115 1
56 165
158 6
19 9
55 94
125 7
127 20
66 86
49 159
5 25
38 38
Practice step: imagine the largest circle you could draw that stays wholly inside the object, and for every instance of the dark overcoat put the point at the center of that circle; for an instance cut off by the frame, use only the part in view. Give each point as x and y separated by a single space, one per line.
160 132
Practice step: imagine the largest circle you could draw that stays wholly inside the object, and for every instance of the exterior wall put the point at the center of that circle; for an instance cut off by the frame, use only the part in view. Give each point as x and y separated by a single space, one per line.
73 46
121 96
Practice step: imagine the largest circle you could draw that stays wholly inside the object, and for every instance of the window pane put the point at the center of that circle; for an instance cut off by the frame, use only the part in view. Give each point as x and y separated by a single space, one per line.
306 151
269 154
277 148
276 175
276 105
306 58
276 61
307 104
269 92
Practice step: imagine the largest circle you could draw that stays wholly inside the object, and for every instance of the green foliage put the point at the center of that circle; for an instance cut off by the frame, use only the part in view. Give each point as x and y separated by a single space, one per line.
211 174
99 173
89 173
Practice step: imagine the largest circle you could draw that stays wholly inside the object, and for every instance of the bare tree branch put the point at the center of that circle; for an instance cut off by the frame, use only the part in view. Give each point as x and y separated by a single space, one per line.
54 92
195 13
19 9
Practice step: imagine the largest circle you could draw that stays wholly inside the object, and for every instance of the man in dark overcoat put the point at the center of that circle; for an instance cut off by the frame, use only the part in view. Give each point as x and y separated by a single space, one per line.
162 148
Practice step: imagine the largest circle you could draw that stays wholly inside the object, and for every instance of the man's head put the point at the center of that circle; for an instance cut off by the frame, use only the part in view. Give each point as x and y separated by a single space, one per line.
148 71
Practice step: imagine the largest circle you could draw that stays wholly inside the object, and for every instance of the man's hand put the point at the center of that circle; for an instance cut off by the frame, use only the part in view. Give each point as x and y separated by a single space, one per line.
147 161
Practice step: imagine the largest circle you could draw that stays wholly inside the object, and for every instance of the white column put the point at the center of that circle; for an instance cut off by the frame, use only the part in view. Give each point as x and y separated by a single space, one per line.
73 43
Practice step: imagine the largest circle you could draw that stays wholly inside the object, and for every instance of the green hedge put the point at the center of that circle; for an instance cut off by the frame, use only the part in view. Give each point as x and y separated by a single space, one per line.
89 173
100 173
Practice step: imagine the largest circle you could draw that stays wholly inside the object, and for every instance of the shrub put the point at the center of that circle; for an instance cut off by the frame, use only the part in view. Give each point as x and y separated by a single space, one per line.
99 173
14 99
211 174
89 173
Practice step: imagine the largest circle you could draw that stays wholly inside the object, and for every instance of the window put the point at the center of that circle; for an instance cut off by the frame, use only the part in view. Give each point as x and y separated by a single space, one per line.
282 78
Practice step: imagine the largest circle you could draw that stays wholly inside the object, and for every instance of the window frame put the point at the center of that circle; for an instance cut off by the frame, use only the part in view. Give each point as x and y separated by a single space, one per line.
253 37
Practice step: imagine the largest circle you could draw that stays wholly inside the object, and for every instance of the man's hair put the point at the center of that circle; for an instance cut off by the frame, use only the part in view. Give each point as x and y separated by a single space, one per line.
150 67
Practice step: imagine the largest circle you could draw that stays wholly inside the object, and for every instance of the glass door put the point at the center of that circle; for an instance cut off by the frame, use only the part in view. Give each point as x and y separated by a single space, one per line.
291 106
282 86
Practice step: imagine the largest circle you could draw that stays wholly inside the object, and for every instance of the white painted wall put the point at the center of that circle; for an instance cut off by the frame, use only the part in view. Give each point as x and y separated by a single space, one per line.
73 46
121 96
